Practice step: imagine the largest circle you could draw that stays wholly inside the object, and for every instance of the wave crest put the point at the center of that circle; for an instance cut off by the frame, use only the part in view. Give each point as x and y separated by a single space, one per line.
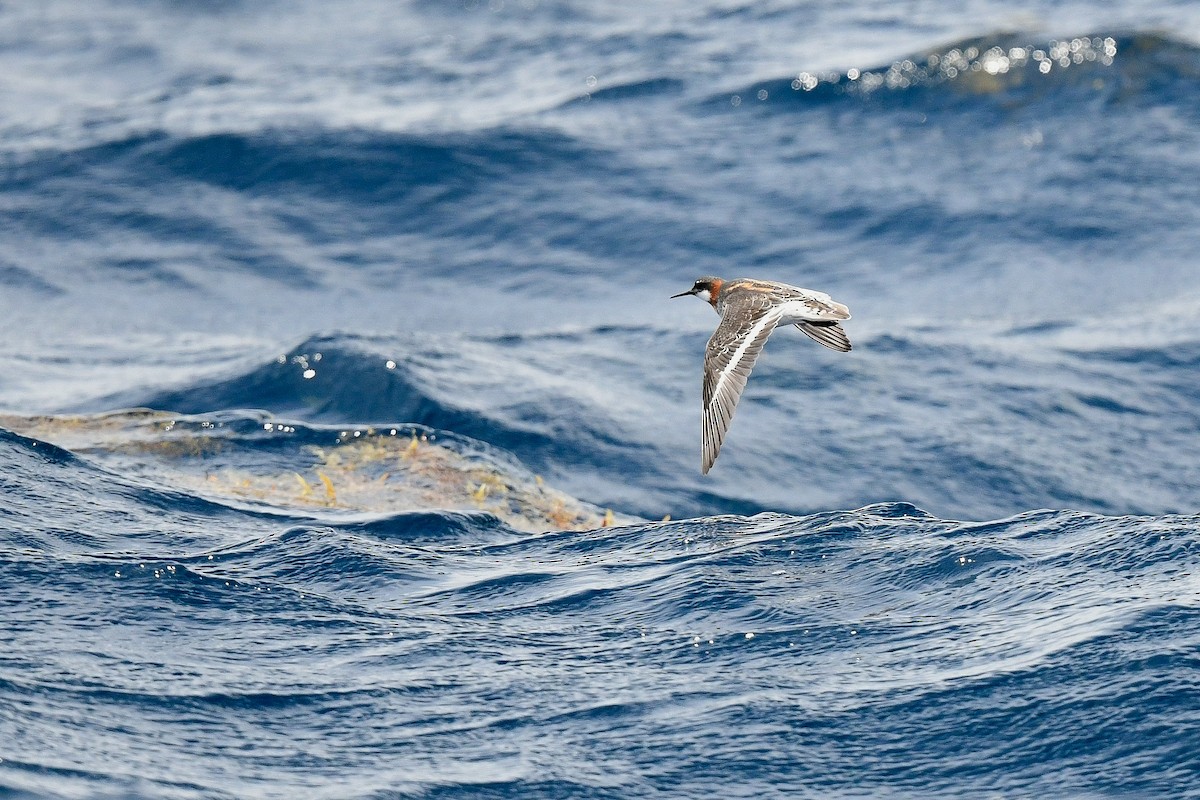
1004 66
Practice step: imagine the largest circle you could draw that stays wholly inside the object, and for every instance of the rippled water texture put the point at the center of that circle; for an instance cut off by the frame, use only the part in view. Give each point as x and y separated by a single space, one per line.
349 441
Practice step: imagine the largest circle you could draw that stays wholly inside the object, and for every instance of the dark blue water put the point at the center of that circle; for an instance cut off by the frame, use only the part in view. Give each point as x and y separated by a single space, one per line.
349 442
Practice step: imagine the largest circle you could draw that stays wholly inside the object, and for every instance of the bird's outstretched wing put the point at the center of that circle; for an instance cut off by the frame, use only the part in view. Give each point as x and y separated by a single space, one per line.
728 360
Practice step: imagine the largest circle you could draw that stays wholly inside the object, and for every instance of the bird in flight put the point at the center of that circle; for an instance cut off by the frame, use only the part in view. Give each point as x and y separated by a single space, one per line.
750 309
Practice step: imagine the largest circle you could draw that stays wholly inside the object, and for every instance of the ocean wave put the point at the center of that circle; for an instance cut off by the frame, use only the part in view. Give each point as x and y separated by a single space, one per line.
862 628
578 408
245 460
632 90
1000 69
341 377
375 183
450 387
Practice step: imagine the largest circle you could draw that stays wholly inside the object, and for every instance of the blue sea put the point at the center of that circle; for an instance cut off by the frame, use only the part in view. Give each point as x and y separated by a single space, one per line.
350 444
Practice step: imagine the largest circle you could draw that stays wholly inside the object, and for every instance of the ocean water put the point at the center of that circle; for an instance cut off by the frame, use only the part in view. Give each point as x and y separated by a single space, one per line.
350 444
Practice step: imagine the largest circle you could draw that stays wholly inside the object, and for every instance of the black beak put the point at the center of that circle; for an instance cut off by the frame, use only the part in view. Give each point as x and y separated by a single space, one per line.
683 294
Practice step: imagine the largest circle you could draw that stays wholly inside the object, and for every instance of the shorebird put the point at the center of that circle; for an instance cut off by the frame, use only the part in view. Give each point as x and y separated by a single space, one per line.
750 309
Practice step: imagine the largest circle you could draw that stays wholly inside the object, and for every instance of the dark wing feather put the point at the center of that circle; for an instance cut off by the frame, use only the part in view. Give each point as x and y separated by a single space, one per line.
728 360
829 334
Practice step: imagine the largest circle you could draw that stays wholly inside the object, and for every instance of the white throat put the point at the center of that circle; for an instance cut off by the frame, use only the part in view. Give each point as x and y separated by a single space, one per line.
705 295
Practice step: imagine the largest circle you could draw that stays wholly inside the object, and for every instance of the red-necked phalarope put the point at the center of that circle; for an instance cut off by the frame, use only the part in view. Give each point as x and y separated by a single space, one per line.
749 311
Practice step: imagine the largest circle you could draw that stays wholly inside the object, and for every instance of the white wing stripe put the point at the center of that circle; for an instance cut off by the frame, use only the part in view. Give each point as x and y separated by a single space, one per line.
768 321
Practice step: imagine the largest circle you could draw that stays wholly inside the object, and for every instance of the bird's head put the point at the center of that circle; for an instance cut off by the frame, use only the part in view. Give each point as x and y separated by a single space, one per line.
706 288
